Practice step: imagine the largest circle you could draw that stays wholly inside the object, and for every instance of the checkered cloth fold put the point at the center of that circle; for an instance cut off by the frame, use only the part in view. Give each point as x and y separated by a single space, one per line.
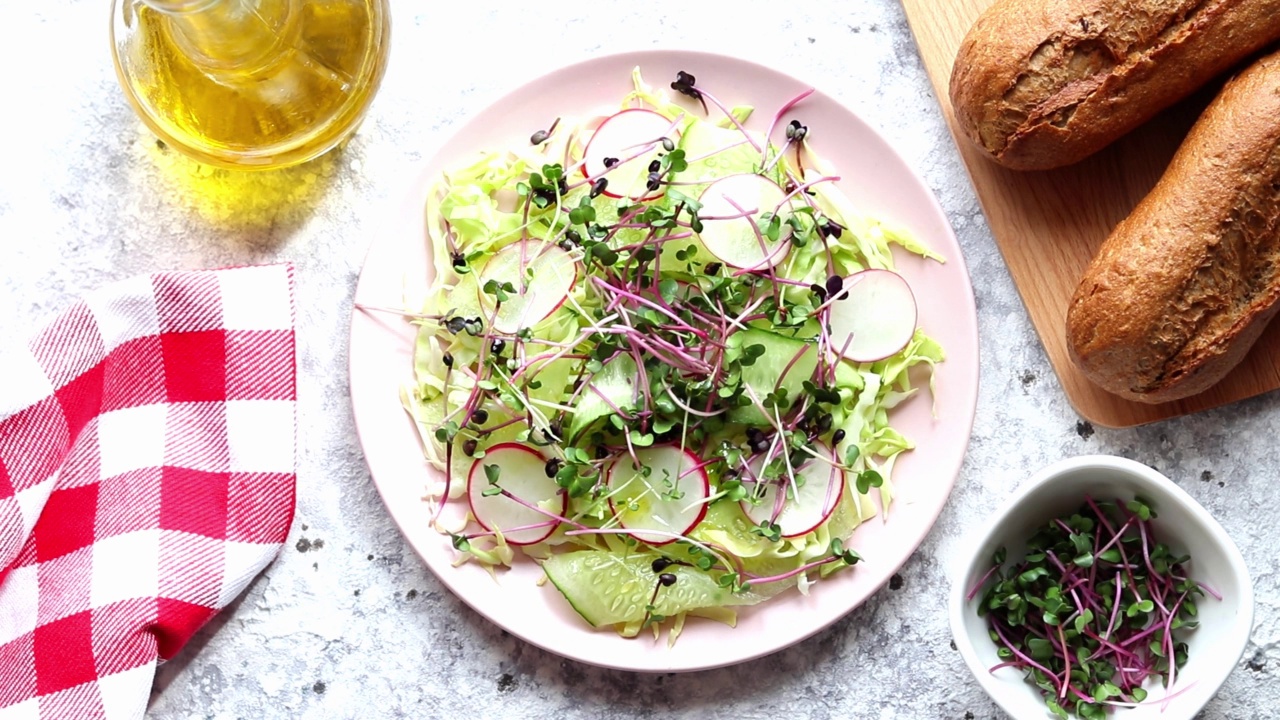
147 474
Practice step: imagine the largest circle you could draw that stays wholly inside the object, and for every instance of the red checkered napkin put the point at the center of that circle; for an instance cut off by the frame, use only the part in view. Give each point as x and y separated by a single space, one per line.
146 476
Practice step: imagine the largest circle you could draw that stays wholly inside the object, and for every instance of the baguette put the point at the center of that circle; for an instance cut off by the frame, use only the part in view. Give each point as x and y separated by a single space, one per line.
1039 84
1182 288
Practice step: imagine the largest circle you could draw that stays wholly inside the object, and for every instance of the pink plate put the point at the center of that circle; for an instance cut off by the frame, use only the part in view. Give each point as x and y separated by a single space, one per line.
874 177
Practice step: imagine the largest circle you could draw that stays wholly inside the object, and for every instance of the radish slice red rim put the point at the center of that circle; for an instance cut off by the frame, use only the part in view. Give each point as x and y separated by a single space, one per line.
667 493
630 140
521 472
542 276
734 217
873 317
806 503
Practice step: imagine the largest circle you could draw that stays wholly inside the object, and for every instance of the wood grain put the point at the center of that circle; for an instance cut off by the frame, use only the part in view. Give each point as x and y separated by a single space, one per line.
1048 224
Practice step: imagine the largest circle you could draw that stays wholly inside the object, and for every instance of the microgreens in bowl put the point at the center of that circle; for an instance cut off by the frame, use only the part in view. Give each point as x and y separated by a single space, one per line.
1101 589
1095 608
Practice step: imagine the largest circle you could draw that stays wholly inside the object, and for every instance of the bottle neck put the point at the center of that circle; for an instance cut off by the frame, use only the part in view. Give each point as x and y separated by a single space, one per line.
226 34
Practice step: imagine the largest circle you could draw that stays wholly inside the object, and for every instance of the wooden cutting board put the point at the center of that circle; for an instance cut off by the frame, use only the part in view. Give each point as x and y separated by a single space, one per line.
1048 224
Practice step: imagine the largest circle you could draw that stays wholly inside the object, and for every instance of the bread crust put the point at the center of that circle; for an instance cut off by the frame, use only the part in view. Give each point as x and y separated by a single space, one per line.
1039 84
1185 285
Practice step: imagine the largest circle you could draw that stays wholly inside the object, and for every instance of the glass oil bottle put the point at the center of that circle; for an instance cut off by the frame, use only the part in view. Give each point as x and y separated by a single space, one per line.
251 83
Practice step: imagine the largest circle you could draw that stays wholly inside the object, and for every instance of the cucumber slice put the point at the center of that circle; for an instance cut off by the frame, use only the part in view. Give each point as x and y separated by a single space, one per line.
606 588
615 381
716 152
771 369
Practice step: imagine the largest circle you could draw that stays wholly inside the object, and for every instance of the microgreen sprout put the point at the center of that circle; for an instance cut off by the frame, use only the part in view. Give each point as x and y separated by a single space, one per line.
491 473
684 83
541 136
768 530
1096 608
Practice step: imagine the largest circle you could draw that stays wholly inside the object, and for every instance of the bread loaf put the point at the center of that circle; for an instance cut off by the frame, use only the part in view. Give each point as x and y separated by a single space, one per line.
1184 286
1039 84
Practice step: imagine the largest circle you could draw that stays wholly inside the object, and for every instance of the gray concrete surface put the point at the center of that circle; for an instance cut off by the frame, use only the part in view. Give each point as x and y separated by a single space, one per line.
348 623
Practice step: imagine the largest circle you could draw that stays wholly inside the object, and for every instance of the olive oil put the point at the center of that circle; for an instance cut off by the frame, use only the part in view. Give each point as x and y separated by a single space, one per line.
251 83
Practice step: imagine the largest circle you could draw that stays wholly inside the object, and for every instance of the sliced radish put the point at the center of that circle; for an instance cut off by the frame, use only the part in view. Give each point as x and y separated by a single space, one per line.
521 472
671 498
633 137
542 275
874 316
819 486
733 223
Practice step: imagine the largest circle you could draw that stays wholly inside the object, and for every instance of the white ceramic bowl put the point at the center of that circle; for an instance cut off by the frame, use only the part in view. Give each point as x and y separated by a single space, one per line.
1182 523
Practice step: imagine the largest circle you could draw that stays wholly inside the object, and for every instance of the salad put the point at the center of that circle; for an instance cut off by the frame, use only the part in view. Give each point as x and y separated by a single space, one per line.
660 358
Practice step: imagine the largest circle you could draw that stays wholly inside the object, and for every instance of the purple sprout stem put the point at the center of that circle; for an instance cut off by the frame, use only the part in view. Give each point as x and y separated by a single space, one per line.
548 357
712 548
1066 672
610 403
831 483
632 296
644 386
843 348
746 135
1216 595
791 573
743 141
646 145
1135 638
1105 644
515 498
1162 701
764 158
1056 562
800 188
535 526
1102 517
790 364
1156 595
657 241
768 256
700 466
1019 654
687 364
499 426
682 352
1115 608
1168 637
793 283
973 591
448 455
681 404
1080 605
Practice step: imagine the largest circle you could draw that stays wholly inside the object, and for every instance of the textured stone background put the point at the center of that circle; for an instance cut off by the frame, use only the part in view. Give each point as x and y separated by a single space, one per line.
348 623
